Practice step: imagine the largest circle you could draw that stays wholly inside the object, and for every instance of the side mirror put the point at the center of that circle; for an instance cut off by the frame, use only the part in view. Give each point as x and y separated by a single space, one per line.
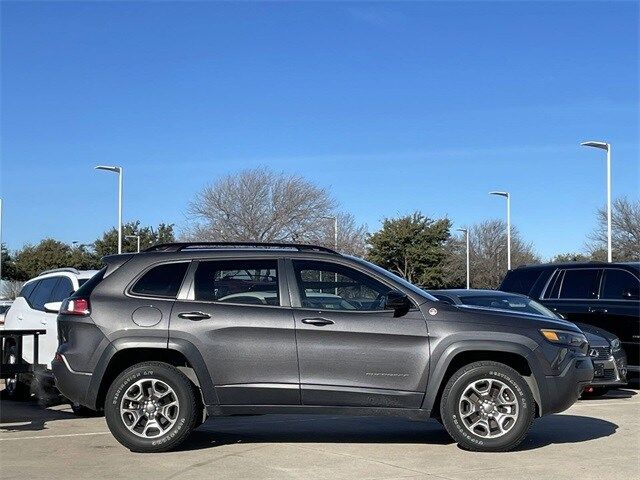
398 302
52 307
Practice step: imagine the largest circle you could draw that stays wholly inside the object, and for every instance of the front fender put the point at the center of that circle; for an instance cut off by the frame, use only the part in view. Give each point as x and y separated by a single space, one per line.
503 343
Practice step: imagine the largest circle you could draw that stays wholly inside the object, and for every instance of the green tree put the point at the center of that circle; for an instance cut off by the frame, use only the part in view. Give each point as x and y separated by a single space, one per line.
9 271
413 247
31 260
571 257
149 236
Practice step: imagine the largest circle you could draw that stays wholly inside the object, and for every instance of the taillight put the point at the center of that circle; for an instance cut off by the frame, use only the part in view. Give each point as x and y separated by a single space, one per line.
75 306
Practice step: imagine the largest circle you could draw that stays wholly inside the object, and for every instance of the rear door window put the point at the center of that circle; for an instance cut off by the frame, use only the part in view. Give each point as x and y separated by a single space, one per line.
580 283
27 290
63 290
42 293
247 282
619 285
161 281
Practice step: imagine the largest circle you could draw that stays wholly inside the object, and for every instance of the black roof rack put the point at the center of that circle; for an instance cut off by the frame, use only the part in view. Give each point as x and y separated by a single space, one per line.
180 246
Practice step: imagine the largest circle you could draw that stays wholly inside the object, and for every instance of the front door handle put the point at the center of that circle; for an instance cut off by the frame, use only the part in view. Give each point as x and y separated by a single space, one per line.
597 310
195 316
318 322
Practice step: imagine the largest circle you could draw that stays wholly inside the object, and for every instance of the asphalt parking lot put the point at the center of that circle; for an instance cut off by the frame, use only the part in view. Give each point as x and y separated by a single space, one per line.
595 439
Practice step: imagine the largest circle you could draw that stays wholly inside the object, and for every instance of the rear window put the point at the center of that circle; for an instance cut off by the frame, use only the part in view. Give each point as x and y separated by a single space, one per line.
161 281
520 281
87 286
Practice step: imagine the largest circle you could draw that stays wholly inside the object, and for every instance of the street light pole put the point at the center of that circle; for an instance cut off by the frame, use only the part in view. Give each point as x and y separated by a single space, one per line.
119 171
137 237
466 232
0 242
605 146
508 197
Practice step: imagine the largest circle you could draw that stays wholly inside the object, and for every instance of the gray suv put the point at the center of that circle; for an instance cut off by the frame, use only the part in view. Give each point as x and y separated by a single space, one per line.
162 339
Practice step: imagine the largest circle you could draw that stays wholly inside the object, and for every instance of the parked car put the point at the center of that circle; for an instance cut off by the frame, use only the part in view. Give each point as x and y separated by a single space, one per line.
4 308
36 307
609 359
605 295
149 340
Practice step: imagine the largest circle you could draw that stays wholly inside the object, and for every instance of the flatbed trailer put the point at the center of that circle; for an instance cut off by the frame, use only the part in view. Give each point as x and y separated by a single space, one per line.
19 366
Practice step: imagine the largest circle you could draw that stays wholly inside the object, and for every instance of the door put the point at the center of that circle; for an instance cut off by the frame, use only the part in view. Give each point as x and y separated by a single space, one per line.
618 310
571 291
351 350
237 314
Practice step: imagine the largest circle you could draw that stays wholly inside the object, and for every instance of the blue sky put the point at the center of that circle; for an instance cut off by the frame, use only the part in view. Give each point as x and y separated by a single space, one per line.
394 107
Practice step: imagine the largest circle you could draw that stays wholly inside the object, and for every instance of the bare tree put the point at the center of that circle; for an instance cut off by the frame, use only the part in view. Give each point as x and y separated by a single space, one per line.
488 255
265 206
625 231
10 289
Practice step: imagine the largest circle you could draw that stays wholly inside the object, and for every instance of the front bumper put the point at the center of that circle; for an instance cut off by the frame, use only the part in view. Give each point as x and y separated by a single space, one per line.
563 390
611 372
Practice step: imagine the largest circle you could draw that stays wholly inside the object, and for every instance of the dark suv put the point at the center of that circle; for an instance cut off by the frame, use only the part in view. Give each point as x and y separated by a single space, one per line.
605 295
161 339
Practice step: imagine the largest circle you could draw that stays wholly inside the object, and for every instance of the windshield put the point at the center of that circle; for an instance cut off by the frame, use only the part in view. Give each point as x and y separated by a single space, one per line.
508 302
395 278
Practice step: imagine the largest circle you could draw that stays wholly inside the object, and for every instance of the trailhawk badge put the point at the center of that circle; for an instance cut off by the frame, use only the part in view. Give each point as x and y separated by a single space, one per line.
433 311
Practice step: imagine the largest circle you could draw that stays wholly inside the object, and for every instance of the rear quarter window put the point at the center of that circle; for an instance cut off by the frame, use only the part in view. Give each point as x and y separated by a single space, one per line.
520 281
161 281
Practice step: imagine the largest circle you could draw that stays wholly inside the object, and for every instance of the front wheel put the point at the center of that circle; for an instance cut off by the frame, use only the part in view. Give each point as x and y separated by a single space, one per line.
487 407
14 387
151 407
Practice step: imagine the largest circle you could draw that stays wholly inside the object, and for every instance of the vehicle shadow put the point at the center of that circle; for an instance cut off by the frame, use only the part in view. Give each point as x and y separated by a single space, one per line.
317 429
29 415
554 429
614 394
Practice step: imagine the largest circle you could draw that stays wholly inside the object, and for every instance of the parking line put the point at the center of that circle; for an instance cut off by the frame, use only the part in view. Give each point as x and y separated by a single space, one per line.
54 436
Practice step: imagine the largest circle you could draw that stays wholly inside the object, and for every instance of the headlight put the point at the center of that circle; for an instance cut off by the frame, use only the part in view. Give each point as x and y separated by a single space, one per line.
615 344
562 337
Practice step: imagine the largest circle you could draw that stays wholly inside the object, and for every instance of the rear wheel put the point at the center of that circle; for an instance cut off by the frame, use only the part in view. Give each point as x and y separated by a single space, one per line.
151 407
487 406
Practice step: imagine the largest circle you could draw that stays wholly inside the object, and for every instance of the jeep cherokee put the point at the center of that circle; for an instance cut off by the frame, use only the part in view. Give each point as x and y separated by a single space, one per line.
162 339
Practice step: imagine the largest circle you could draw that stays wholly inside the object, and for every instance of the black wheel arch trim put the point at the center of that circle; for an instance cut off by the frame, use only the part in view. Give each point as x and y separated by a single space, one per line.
438 368
184 347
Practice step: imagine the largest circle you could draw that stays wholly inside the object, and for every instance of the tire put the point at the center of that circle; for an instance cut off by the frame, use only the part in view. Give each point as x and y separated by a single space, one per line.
14 387
85 412
596 392
461 406
144 426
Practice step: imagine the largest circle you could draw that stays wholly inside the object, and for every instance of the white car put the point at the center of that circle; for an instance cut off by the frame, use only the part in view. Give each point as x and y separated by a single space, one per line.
36 307
4 307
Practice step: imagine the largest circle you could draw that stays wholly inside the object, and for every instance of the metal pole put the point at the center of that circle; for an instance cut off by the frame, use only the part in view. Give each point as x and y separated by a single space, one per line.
508 231
609 250
335 233
120 172
138 243
0 242
468 263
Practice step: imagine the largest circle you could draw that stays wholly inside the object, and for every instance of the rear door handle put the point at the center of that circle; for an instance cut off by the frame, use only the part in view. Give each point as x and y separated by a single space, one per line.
597 310
195 316
318 322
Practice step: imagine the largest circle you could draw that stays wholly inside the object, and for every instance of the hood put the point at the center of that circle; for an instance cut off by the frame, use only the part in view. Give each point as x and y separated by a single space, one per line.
596 331
525 320
596 340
